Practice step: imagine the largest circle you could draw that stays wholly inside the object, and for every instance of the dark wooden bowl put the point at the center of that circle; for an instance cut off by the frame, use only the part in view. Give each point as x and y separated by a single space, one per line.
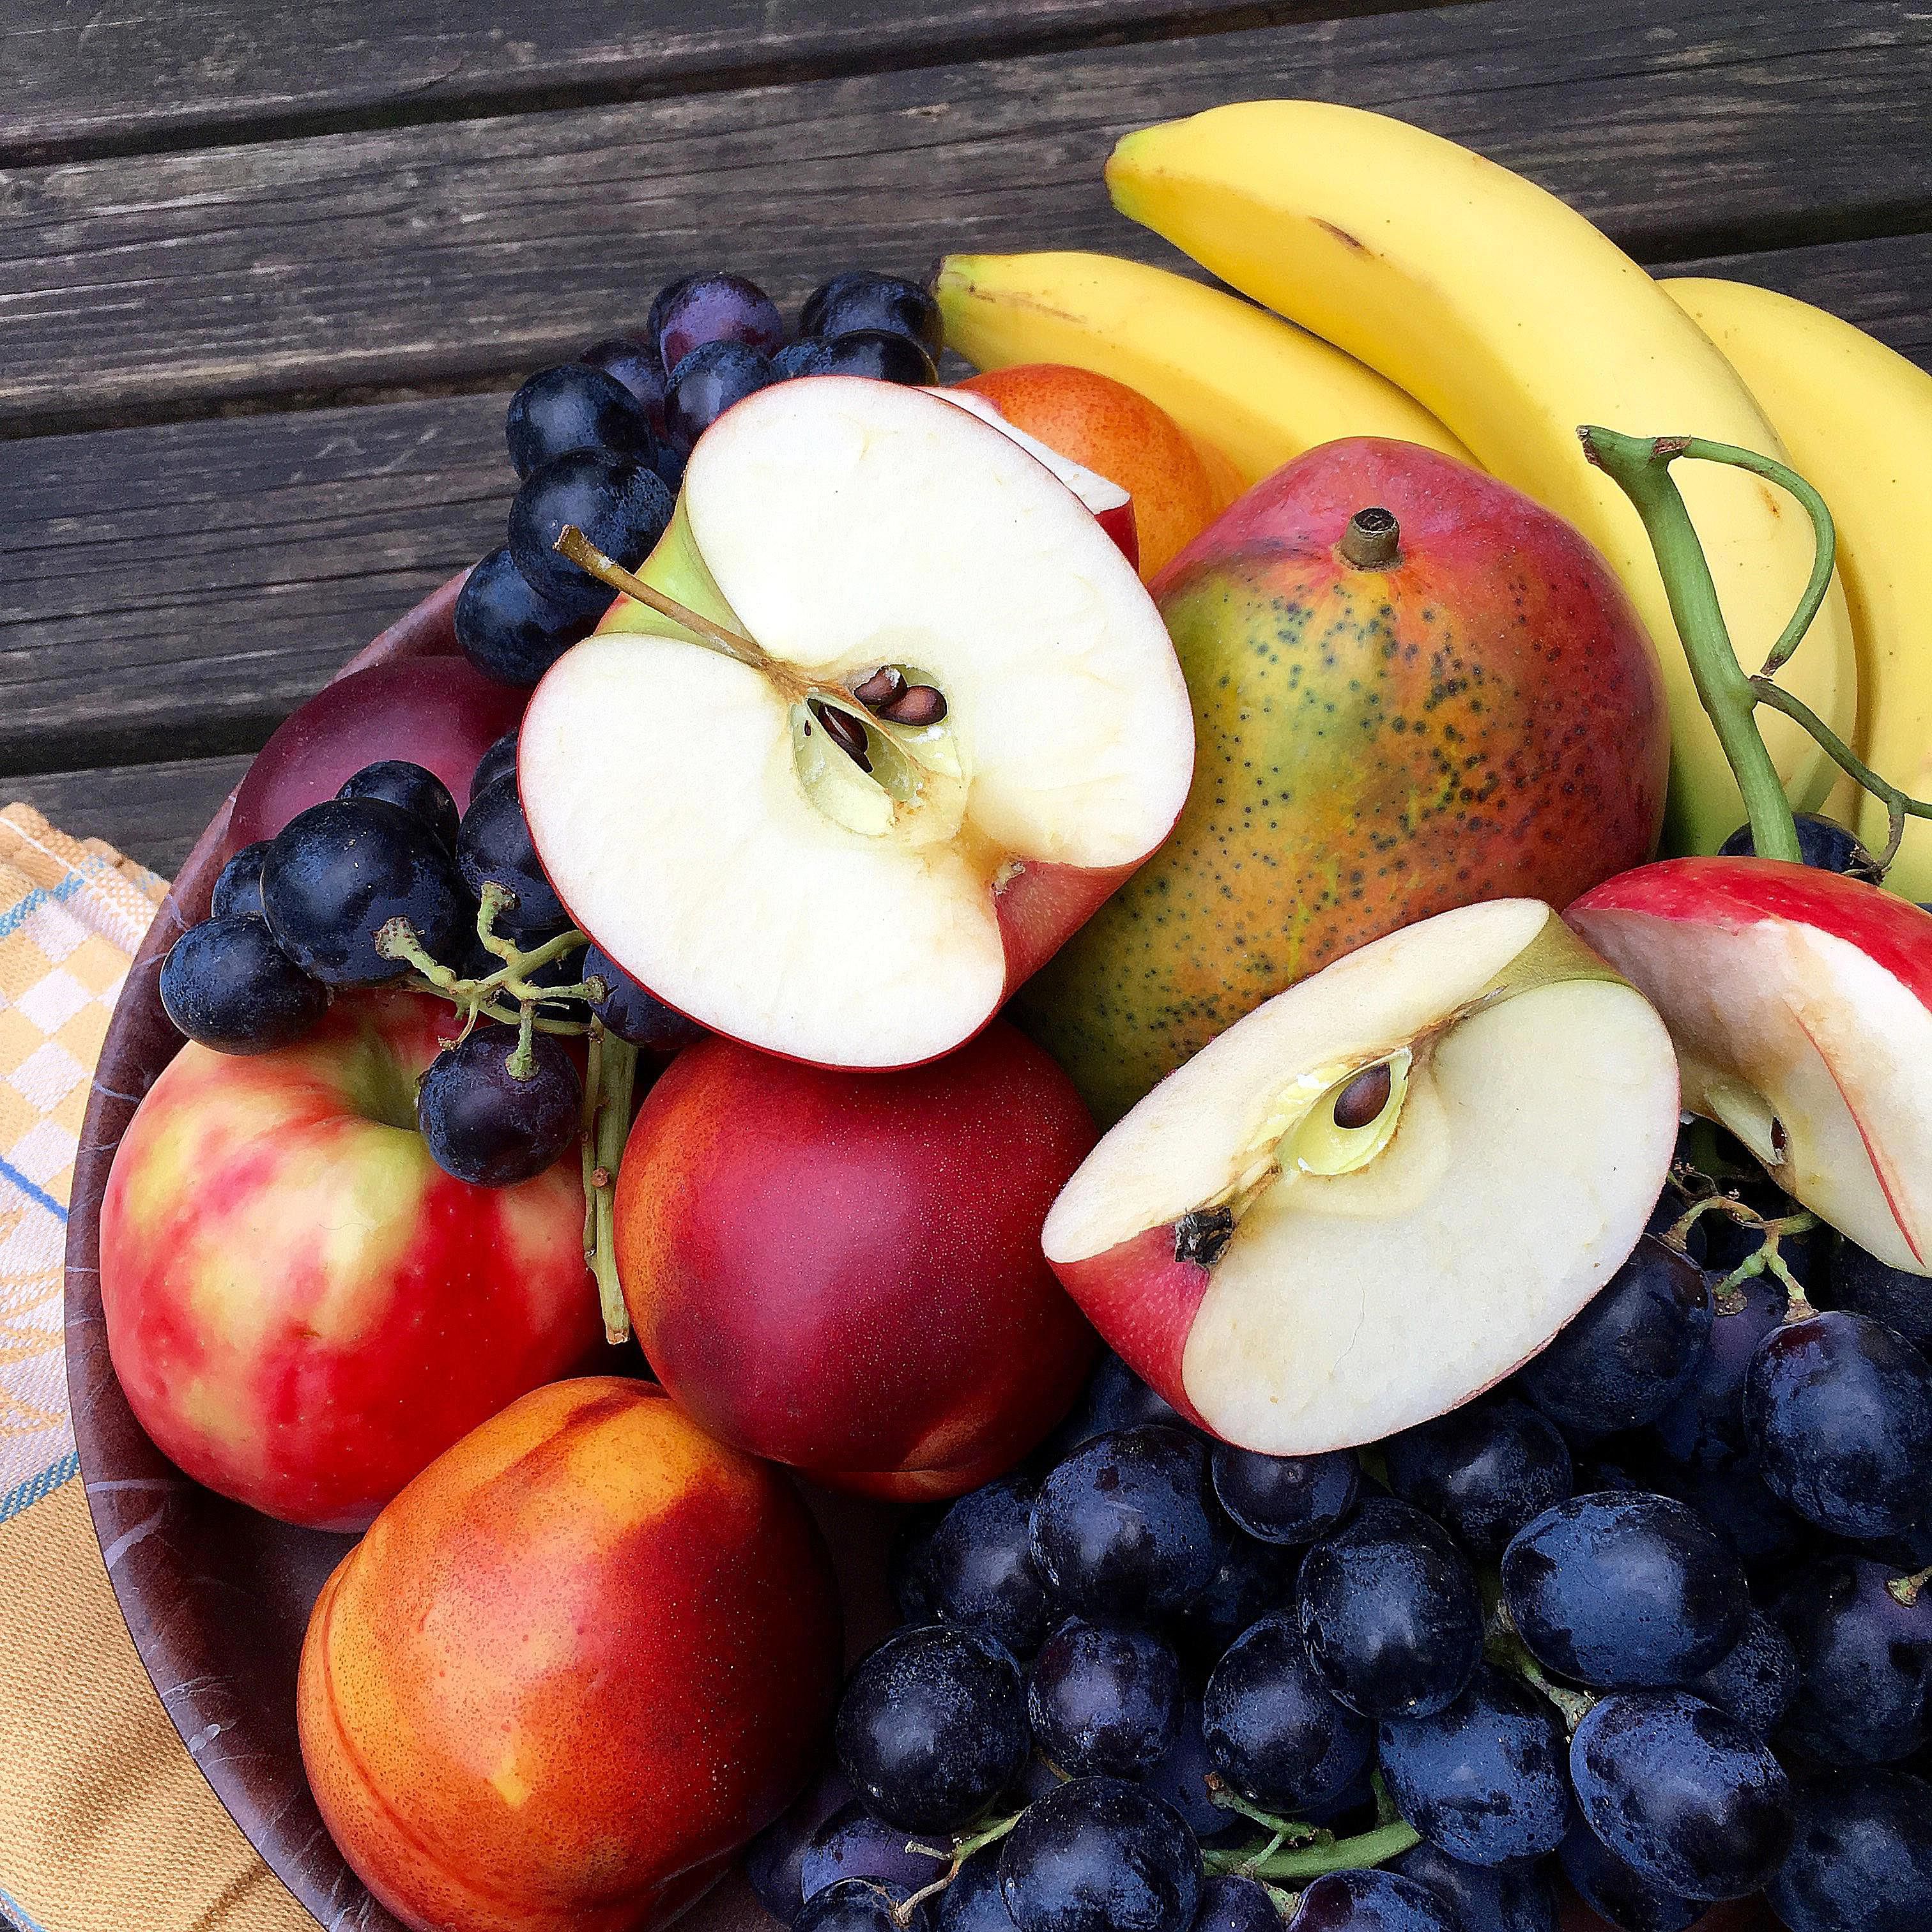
216 1596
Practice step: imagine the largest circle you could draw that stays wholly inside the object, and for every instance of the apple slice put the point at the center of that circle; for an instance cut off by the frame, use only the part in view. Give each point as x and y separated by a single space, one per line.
838 540
1798 1000
1382 1189
1111 506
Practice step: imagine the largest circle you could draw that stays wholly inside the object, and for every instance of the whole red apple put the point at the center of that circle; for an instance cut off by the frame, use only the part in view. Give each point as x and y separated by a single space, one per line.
842 1271
302 1307
571 1669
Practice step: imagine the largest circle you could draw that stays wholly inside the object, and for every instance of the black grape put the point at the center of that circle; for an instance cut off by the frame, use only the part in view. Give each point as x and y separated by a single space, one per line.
1482 1471
225 984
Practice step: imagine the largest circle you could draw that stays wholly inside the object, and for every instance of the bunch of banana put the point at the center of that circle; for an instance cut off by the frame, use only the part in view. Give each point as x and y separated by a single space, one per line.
1236 378
1857 418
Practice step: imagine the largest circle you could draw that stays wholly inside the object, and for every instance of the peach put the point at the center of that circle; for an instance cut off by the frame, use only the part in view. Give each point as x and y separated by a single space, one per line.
1178 487
571 1671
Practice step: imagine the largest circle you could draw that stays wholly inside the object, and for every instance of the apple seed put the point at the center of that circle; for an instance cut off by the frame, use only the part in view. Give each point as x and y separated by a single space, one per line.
1364 1097
847 733
918 704
884 687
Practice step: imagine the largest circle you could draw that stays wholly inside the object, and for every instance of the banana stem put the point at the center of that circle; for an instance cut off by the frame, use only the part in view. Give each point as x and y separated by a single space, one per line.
1640 467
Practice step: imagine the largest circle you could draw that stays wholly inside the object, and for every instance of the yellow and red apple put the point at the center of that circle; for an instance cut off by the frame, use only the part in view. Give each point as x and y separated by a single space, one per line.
572 1670
303 1308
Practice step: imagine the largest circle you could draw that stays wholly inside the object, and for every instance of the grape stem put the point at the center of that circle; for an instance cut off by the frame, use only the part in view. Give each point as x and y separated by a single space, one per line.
961 1850
1765 1255
610 1079
1503 1644
1373 1847
1905 1589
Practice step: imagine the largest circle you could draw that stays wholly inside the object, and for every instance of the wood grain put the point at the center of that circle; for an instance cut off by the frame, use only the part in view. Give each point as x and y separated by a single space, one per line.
153 813
459 252
170 593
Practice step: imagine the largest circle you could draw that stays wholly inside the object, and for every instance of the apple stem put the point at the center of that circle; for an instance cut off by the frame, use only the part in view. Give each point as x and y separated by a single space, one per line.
1905 1589
609 1084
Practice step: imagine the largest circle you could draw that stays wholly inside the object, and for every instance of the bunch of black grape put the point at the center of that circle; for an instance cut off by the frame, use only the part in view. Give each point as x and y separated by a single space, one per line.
1646 1620
387 884
602 443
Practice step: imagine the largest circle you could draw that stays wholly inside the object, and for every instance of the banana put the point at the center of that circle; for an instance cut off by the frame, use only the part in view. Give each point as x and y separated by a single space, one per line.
1857 418
1234 377
1514 320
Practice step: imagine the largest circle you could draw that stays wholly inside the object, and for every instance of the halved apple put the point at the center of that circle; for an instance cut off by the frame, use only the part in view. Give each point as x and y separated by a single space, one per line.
1798 1001
750 822
1382 1189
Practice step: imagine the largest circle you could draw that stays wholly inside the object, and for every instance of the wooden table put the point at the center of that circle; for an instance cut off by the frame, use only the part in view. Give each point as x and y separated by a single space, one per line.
267 273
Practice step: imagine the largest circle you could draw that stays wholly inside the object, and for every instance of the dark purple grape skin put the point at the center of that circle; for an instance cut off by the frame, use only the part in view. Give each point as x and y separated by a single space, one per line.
864 299
494 847
878 354
1390 1610
795 359
1123 1529
980 1569
654 316
1181 1778
1286 1499
908 1571
1865 1663
632 361
1485 1780
714 307
413 787
1838 1410
337 874
1374 1901
484 1125
1822 842
774 1859
974 1902
238 886
1865 1285
1703 1427
1624 1588
1861 1859
1104 1702
706 383
1755 1680
1114 1398
850 1843
1100 1855
1613 1891
1272 1729
1251 1580
932 1726
508 631
225 984
633 1014
622 506
1482 1471
1766 1535
499 761
1636 1345
1232 1904
1683 1794
573 406
859 1905
1483 1898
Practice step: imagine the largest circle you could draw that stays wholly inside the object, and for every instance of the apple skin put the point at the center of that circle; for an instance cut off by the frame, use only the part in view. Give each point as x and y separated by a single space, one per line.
303 1308
438 712
577 1664
842 1271
1485 719
1114 430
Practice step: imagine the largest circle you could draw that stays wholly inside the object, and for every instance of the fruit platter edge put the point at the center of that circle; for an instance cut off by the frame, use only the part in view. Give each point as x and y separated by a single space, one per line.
215 1596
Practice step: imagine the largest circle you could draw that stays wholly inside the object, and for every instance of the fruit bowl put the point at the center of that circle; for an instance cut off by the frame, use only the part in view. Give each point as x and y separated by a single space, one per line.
216 1596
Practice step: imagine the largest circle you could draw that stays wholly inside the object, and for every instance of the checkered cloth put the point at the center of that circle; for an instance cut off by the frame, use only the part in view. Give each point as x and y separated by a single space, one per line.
105 1824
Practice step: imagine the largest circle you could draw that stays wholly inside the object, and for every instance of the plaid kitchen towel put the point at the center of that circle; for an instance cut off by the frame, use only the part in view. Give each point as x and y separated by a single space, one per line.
105 1824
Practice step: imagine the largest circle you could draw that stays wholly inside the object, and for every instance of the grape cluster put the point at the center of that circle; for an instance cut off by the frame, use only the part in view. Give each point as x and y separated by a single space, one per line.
388 884
1149 1682
602 443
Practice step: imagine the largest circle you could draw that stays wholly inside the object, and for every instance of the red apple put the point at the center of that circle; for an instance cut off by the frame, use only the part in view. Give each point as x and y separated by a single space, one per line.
842 1271
436 711
302 1307
1799 1000
571 1669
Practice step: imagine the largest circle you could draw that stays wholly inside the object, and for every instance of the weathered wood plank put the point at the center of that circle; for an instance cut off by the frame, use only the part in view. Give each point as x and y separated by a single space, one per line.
175 590
458 253
153 813
80 82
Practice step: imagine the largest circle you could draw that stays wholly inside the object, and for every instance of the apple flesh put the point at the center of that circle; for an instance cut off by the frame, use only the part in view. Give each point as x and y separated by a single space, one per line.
571 1671
437 712
302 1307
695 812
1383 1189
1799 1000
842 1271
